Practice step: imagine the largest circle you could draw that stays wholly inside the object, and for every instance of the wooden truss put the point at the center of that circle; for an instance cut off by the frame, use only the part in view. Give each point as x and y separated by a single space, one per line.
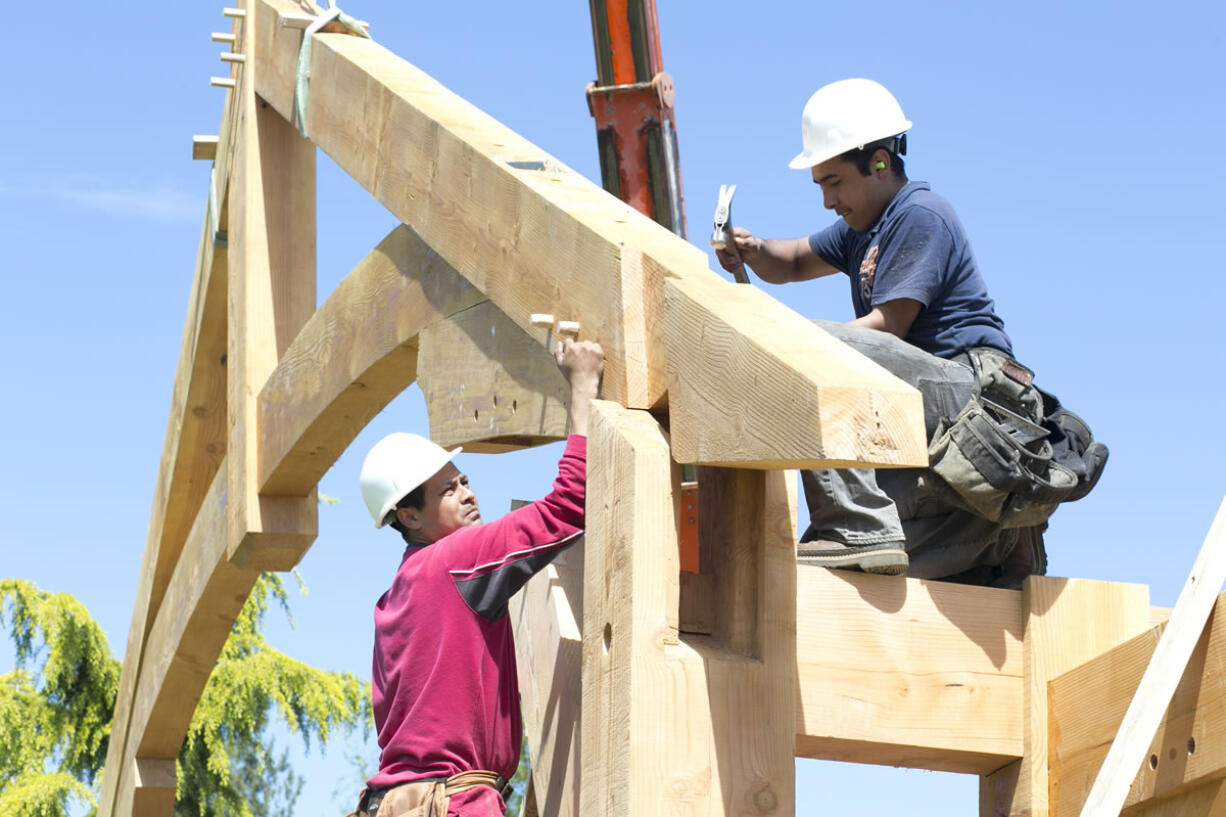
646 690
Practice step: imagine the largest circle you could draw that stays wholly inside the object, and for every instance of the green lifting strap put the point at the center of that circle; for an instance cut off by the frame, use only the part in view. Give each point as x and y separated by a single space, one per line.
303 81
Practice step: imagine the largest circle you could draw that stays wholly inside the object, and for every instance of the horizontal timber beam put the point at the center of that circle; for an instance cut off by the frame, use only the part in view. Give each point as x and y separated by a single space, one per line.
353 356
907 672
1187 753
815 401
536 237
489 386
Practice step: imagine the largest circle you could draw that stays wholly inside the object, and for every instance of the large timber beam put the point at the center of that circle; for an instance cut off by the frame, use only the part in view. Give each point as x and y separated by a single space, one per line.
194 447
511 394
355 354
536 237
905 672
272 295
812 397
202 601
1068 621
1186 761
548 650
670 725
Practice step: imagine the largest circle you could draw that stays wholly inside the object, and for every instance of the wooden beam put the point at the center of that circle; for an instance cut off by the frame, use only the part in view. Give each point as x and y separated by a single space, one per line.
906 672
1185 754
548 241
548 650
192 451
355 354
673 725
1161 677
272 295
1068 621
815 402
490 386
154 789
204 147
202 601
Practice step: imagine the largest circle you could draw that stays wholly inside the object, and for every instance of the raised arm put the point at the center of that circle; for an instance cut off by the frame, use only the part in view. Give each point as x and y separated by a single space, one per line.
776 260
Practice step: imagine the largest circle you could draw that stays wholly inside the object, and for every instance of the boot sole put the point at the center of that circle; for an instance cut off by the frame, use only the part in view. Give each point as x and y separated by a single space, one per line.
889 561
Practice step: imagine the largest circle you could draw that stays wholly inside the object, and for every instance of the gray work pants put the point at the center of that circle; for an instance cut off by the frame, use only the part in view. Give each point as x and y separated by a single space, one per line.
858 506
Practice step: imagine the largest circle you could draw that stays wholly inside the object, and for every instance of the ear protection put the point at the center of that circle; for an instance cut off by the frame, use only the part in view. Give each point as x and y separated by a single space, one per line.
880 166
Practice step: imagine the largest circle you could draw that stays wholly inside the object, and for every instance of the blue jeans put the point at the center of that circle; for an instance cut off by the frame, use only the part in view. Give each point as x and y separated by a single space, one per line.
859 506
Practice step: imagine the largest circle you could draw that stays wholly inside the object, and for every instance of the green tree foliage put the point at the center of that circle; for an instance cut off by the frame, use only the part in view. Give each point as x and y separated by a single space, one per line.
55 720
56 706
250 682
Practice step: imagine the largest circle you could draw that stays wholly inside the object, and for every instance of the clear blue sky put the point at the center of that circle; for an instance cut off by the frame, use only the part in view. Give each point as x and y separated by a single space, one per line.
1078 142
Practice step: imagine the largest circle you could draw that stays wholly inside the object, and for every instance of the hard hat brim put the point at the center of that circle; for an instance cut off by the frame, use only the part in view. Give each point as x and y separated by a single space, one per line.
805 159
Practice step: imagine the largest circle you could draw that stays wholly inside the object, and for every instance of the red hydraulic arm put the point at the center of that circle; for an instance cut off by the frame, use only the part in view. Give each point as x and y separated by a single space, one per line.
632 102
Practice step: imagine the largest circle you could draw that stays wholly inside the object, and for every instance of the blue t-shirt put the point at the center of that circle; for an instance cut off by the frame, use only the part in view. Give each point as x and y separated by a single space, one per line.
918 250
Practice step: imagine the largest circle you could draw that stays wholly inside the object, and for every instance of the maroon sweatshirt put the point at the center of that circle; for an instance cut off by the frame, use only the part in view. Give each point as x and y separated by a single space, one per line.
445 689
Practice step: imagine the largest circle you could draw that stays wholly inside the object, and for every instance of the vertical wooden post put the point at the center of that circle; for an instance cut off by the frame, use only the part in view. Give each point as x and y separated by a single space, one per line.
703 725
1069 621
272 294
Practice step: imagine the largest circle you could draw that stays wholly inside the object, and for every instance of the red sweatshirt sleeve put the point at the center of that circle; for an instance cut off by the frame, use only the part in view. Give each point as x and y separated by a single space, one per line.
489 563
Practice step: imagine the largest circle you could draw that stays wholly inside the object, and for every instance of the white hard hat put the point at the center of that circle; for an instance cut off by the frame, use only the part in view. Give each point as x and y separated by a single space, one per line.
846 115
395 466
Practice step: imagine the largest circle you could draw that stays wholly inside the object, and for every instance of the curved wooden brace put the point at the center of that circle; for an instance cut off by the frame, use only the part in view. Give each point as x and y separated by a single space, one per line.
355 354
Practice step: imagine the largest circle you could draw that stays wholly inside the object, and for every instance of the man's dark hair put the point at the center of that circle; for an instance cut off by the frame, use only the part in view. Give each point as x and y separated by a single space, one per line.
862 157
415 499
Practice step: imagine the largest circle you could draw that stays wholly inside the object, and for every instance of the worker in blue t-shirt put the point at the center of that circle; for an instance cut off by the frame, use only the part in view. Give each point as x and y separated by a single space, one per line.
922 311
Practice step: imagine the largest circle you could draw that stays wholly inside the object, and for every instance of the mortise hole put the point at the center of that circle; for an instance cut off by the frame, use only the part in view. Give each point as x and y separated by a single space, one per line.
514 405
608 636
1191 745
1153 761
495 401
1171 753
475 413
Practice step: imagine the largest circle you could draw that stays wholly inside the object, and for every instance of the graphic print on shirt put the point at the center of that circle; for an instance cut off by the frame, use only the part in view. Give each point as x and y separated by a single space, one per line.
868 272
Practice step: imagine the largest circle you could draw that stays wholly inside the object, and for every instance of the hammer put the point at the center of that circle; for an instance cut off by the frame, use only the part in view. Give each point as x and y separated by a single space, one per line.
721 234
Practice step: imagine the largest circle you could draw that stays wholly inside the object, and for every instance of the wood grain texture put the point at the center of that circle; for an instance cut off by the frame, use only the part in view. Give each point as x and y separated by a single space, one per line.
490 386
1161 677
530 233
153 794
906 672
202 601
192 451
671 725
353 356
754 384
272 295
1068 622
548 650
1186 753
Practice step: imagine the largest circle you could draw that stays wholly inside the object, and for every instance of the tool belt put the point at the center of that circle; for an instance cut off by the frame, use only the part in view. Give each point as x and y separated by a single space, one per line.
423 798
1013 453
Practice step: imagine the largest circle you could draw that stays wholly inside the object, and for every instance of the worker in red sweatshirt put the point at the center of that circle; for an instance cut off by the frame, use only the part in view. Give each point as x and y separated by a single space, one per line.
444 682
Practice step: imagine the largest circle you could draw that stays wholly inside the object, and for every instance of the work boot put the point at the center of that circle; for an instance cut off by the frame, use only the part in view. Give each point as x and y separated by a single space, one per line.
888 558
